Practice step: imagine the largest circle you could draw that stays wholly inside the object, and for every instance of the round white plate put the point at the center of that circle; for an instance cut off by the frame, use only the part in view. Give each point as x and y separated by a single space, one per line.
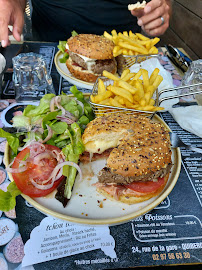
64 72
87 206
11 108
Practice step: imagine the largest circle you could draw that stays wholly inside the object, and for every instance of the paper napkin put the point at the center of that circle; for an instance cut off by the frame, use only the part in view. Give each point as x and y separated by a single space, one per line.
189 118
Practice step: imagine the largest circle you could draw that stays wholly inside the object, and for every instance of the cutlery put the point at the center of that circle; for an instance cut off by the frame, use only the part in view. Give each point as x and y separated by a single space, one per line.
178 57
176 142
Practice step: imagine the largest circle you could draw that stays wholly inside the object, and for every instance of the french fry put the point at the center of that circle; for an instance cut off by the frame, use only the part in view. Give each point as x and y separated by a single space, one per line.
116 49
121 92
130 52
140 92
128 76
110 75
142 102
131 43
153 76
119 99
145 77
125 51
137 75
118 53
151 102
154 41
114 33
103 96
127 86
92 98
157 81
125 72
153 50
125 33
107 35
101 86
147 98
142 37
115 103
105 101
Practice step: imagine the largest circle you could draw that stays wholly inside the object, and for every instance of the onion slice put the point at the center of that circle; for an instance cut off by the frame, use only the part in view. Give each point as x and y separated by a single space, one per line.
81 104
49 136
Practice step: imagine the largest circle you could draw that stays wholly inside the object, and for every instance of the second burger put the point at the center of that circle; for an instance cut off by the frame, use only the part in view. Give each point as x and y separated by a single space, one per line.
89 55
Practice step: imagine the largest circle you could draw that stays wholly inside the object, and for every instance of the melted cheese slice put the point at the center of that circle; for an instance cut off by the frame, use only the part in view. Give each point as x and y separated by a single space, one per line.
99 146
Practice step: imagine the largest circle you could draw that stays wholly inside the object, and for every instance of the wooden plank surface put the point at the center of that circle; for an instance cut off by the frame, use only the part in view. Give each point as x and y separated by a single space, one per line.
194 6
170 37
188 27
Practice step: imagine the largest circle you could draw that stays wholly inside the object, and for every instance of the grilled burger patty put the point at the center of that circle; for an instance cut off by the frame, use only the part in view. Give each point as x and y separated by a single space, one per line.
107 176
97 66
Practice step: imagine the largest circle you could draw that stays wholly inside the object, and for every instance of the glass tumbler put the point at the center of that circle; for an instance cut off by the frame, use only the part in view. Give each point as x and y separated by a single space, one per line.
194 76
30 76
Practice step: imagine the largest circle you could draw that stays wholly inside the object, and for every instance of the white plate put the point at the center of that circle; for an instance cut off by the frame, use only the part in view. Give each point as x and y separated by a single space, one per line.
89 207
64 72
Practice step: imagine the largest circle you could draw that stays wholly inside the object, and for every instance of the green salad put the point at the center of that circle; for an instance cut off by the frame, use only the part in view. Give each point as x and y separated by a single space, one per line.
52 138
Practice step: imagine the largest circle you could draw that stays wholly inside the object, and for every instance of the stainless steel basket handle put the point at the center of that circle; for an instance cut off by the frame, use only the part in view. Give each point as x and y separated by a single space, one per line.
160 100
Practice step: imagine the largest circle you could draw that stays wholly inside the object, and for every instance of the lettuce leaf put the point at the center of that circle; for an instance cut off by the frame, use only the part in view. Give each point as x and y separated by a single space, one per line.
8 198
11 139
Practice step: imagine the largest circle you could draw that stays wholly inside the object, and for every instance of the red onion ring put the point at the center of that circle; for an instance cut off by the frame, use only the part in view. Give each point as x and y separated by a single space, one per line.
49 136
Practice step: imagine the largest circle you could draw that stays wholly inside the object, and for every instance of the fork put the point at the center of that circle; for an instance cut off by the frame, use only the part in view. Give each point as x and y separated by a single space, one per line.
176 142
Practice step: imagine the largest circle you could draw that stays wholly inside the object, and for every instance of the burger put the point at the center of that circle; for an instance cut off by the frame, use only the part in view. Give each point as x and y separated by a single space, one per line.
89 55
137 152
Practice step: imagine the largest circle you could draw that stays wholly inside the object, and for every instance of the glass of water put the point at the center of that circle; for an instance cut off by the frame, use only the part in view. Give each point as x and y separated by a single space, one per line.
30 76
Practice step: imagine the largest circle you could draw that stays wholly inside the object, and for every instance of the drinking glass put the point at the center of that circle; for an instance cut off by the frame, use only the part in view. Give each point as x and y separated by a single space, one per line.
194 76
30 76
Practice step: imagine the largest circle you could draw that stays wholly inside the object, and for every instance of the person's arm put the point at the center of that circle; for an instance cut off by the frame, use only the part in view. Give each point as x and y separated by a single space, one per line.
11 13
154 19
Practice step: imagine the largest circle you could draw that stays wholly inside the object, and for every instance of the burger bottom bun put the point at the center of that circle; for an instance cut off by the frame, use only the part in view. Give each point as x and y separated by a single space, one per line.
82 74
131 199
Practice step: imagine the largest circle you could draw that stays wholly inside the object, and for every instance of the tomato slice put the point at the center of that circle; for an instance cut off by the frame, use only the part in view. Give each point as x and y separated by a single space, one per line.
146 187
40 172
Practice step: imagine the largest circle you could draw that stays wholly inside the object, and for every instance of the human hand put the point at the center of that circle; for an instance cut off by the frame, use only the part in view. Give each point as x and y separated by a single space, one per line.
11 13
154 18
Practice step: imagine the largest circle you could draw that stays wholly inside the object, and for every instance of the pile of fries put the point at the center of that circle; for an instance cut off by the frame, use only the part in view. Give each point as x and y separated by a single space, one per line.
131 90
128 43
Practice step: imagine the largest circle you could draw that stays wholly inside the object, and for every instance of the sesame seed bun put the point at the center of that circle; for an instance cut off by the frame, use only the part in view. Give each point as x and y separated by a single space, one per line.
140 152
91 46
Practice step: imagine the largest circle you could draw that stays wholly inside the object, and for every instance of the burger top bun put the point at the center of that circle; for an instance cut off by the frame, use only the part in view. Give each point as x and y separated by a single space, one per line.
91 46
140 146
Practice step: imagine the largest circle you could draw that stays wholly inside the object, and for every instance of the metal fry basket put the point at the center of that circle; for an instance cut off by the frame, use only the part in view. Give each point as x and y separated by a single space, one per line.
127 61
101 110
158 96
